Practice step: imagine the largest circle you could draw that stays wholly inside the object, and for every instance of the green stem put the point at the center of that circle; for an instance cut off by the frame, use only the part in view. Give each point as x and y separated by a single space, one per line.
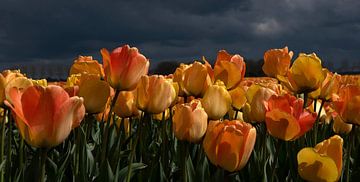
305 99
184 156
349 148
164 156
21 153
133 149
317 122
2 148
278 148
43 157
107 127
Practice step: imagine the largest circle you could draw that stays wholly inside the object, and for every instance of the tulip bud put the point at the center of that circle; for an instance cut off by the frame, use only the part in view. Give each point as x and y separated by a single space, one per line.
229 144
190 121
124 67
277 62
216 101
229 68
154 94
196 79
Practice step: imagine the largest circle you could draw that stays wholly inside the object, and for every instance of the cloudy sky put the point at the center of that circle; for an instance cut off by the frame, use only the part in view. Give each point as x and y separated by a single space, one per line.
41 31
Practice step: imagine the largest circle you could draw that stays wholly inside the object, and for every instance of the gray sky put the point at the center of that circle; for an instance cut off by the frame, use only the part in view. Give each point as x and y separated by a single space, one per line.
47 31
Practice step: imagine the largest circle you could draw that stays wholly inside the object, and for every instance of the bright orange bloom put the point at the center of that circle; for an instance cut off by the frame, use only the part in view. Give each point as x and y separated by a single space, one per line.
229 144
155 94
229 68
216 101
306 74
347 104
322 163
125 105
328 87
45 115
196 79
190 121
124 67
286 119
277 62
86 64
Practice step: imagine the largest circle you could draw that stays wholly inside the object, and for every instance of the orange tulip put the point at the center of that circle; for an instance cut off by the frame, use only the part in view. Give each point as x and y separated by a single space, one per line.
286 119
216 101
190 121
347 104
322 163
155 94
196 79
238 97
329 86
277 62
229 68
86 64
178 77
125 105
45 115
229 144
306 74
339 126
124 67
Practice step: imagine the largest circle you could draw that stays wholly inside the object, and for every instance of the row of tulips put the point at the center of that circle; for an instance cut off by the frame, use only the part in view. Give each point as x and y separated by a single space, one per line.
114 122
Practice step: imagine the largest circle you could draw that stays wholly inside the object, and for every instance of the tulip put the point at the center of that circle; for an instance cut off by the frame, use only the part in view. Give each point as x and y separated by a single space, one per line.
125 105
340 127
322 163
190 121
277 62
216 101
306 73
347 104
45 115
124 67
86 64
254 110
238 97
286 119
229 144
5 77
95 93
328 87
155 94
229 68
178 77
196 79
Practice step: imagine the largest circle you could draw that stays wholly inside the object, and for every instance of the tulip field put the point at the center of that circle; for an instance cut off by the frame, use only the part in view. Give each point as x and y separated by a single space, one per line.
112 121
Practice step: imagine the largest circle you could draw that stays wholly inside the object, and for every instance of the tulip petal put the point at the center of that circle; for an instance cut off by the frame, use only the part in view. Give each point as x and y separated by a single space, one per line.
282 125
315 167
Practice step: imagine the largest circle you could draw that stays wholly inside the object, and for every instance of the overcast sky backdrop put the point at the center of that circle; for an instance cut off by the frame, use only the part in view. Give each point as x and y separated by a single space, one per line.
48 31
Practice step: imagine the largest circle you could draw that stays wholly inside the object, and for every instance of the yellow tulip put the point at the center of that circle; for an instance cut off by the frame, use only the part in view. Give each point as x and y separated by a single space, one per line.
216 101
229 144
86 64
125 105
189 121
322 163
155 94
196 79
238 97
5 77
306 73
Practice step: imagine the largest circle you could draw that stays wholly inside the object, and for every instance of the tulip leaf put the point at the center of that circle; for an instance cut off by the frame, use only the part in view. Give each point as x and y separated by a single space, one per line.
106 173
190 170
64 163
134 167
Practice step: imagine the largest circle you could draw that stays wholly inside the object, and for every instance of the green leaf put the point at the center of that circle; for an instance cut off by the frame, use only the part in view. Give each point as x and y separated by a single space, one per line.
134 167
190 170
2 165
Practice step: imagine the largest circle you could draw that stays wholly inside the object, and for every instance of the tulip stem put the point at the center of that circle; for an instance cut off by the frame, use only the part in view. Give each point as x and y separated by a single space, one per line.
107 127
277 147
305 99
317 122
2 148
164 156
133 152
236 114
43 157
349 148
184 154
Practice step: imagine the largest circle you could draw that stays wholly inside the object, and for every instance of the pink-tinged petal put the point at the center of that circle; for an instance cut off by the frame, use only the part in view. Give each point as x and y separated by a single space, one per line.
72 110
306 122
16 105
131 77
119 60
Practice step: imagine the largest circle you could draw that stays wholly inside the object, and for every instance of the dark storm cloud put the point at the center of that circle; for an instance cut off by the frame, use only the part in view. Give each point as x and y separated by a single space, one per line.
178 30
